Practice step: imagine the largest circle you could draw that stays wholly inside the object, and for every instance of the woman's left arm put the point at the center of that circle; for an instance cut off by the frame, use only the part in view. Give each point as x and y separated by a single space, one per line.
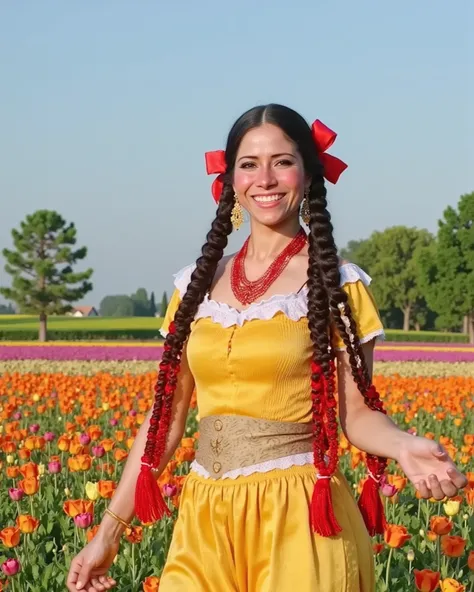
425 462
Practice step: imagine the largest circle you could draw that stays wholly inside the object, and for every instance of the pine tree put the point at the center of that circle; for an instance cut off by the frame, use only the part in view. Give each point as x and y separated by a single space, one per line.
41 266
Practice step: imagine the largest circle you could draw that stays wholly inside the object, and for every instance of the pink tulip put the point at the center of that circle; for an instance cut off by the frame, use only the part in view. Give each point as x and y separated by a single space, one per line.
84 439
412 431
16 494
386 488
83 520
54 467
49 436
34 428
169 490
11 567
113 421
17 416
98 451
132 413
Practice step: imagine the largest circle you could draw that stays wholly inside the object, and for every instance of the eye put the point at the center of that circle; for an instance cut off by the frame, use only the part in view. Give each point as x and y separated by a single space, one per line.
247 165
285 162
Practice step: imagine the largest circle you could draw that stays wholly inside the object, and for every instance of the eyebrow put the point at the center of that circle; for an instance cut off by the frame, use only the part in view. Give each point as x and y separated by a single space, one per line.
273 156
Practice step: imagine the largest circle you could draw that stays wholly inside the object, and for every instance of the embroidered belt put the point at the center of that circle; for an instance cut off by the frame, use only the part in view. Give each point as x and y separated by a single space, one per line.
229 442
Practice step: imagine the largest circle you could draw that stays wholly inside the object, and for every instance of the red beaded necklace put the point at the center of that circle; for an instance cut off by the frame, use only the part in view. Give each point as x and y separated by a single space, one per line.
246 291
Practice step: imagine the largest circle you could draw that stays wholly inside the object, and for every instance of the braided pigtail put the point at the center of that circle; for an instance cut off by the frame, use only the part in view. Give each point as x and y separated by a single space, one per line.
324 254
149 503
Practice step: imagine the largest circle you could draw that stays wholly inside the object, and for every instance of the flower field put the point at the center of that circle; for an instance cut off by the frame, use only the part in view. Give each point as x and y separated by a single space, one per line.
68 416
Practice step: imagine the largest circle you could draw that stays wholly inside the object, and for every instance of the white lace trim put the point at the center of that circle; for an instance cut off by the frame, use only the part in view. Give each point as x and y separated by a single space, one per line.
379 334
285 462
293 305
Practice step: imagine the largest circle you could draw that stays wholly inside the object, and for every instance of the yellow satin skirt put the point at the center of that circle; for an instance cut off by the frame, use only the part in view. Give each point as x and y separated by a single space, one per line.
252 534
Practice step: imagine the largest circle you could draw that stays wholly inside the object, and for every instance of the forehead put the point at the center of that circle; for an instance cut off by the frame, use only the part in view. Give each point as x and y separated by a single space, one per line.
266 139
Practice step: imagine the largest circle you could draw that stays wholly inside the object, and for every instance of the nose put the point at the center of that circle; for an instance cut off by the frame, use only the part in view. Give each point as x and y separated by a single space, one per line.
266 177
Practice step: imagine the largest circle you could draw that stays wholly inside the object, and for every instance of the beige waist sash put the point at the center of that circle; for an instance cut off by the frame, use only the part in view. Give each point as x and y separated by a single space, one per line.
229 442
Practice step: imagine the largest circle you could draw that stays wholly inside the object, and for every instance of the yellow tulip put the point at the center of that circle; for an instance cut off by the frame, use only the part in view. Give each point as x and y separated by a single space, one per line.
10 459
451 507
36 398
92 491
105 406
41 469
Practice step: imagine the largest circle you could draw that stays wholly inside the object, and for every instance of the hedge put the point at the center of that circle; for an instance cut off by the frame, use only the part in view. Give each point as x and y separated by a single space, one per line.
123 334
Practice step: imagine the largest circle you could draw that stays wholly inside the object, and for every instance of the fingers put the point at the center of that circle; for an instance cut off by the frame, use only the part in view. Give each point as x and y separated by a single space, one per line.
84 577
457 478
74 570
448 487
435 487
423 489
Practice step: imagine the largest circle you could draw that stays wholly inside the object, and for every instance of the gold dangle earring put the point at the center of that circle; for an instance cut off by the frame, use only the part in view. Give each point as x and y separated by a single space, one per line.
305 208
237 216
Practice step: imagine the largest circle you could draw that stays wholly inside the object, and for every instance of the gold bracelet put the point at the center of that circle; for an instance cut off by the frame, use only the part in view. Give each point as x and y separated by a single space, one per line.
117 518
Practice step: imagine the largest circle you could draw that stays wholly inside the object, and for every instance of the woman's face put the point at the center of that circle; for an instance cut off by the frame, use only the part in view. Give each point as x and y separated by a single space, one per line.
269 176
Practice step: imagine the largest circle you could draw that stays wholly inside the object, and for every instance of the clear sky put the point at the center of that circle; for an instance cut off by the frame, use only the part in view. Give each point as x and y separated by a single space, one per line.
108 107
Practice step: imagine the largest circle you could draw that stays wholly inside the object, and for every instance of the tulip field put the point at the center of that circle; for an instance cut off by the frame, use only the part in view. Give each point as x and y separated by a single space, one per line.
69 413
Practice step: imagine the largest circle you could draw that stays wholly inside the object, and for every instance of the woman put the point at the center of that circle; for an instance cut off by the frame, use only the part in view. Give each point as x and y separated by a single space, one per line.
265 507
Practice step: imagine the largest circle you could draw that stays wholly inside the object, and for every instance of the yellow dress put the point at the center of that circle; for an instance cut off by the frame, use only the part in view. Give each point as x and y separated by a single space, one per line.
251 533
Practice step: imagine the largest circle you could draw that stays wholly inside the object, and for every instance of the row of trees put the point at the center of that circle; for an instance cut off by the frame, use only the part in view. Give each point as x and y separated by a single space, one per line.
421 280
136 305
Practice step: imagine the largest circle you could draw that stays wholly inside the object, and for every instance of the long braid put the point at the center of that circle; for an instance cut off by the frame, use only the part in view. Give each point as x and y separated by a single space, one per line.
149 503
323 256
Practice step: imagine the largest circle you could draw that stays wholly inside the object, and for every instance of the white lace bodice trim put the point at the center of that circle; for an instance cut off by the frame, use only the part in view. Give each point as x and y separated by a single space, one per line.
299 460
294 305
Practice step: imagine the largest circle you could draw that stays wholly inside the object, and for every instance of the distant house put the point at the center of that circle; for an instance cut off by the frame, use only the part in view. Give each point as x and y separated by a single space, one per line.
84 311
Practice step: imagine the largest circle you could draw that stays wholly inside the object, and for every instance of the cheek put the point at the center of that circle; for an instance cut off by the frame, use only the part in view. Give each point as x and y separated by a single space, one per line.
242 180
291 178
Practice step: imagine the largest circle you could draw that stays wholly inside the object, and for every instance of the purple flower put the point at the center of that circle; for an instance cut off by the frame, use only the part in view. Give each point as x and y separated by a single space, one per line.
113 421
16 494
169 490
49 436
34 428
54 467
84 439
83 520
98 451
11 567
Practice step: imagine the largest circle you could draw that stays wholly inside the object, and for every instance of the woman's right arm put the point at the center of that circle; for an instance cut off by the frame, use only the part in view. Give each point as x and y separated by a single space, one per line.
122 503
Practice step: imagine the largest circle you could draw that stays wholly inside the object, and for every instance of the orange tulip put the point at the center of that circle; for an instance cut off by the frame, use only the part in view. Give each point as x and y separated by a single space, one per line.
12 472
10 536
24 454
94 432
450 585
134 534
9 447
120 454
92 532
30 485
185 454
441 525
396 536
453 546
120 435
108 444
399 482
64 443
426 580
84 462
151 584
470 560
106 488
74 507
26 523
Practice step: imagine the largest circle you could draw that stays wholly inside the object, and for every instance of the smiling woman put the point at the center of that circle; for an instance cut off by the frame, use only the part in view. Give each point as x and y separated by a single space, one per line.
258 335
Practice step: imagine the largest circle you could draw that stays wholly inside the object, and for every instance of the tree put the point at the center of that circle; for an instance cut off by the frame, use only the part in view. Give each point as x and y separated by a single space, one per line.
119 305
141 304
350 252
447 268
6 309
391 257
152 304
41 266
164 304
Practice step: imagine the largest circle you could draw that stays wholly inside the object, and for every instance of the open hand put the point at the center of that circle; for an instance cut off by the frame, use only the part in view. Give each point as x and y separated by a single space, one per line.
429 467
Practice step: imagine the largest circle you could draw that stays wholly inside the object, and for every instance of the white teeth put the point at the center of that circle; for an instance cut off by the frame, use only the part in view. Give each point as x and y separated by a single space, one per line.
267 198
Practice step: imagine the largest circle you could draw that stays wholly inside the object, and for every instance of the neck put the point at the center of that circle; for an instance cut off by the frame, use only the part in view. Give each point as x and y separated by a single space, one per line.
268 242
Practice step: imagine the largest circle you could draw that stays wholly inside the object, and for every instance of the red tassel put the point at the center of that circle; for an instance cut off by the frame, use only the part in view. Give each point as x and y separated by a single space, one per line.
371 507
323 520
149 503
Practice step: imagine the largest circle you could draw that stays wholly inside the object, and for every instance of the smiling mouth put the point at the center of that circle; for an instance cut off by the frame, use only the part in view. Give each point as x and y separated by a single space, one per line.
269 198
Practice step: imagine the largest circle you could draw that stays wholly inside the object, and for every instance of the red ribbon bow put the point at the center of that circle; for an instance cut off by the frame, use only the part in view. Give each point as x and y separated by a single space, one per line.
215 164
324 138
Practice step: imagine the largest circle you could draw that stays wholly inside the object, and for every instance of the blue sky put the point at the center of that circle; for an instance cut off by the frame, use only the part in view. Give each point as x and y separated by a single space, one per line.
108 108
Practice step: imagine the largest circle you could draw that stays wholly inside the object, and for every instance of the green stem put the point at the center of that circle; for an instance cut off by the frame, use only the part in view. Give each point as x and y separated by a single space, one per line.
438 547
387 573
